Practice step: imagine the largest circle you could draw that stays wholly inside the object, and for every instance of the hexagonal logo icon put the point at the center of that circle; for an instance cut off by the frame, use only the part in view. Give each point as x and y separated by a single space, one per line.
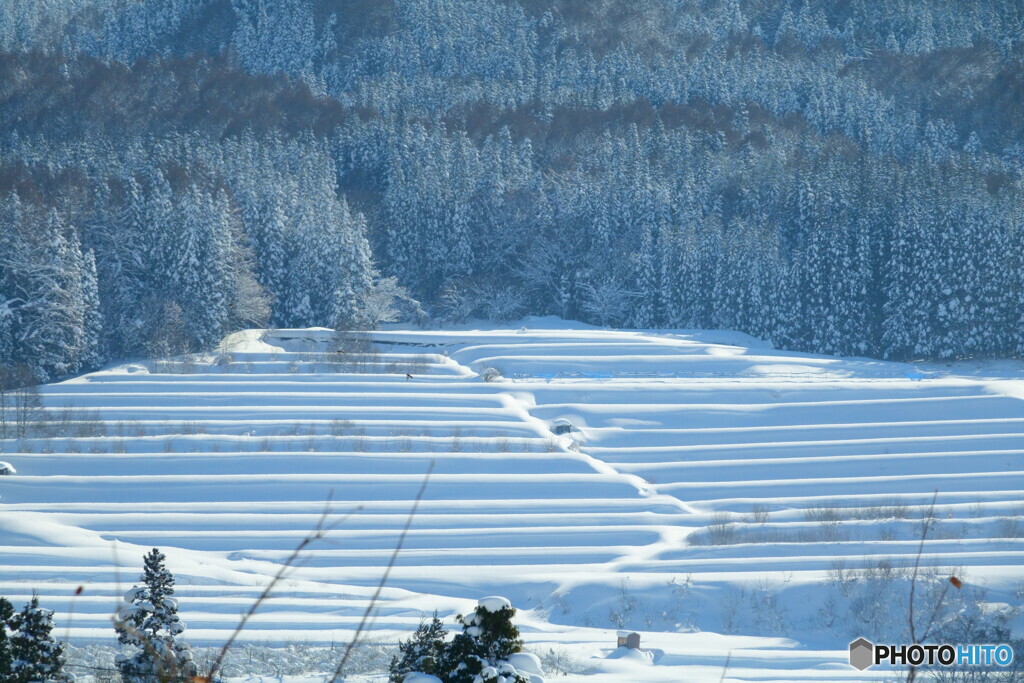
862 654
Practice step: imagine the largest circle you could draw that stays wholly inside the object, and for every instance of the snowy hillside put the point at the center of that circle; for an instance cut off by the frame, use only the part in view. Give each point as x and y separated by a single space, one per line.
683 485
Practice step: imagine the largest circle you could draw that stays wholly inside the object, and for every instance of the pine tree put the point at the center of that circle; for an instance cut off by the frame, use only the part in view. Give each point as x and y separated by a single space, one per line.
899 294
41 276
36 655
10 301
6 657
155 220
198 272
149 621
422 653
646 311
91 355
480 653
353 275
120 235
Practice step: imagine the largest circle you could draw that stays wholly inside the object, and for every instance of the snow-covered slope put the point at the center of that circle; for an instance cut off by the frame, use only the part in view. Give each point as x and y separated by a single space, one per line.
651 481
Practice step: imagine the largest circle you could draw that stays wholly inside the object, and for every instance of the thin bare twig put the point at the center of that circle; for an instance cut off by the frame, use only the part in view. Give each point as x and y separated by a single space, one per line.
322 528
926 525
935 613
384 578
927 521
725 668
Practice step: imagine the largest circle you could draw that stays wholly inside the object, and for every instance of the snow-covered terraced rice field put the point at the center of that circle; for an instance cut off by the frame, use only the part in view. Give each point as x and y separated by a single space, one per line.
694 467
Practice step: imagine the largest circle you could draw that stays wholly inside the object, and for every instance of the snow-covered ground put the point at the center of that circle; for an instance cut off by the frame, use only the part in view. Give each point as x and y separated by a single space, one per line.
706 494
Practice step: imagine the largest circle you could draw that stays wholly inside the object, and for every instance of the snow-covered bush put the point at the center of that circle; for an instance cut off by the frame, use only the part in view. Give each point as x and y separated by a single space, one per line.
387 302
21 411
422 653
457 304
561 661
494 300
490 374
246 660
149 620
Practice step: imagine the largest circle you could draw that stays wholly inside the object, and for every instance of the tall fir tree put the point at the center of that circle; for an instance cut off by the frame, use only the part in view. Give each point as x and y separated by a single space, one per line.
36 654
148 620
47 287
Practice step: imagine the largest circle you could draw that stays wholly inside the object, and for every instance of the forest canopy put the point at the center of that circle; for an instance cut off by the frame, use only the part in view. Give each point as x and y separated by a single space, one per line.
837 177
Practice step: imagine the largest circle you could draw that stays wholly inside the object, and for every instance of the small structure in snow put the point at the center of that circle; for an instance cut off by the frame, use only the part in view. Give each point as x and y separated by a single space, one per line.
629 639
562 426
7 468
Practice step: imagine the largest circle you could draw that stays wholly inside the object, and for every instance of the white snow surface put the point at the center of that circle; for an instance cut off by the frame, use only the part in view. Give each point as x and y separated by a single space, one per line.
494 603
228 461
421 678
528 664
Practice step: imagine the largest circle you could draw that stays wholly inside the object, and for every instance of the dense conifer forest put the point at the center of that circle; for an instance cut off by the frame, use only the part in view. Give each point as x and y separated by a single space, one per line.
837 177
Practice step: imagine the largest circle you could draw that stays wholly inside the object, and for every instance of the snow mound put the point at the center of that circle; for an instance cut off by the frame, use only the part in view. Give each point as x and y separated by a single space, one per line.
638 656
248 341
420 678
7 468
494 603
528 664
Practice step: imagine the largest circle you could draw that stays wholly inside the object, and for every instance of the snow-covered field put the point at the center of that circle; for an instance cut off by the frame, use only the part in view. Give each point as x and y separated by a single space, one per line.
708 494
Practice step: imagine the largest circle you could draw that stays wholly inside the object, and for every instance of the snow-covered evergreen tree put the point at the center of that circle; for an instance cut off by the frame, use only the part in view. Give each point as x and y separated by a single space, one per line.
6 657
265 222
47 288
422 653
148 620
733 164
197 271
480 653
36 655
120 235
91 355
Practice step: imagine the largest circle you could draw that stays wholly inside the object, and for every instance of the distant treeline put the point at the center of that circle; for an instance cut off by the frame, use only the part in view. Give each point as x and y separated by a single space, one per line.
840 177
